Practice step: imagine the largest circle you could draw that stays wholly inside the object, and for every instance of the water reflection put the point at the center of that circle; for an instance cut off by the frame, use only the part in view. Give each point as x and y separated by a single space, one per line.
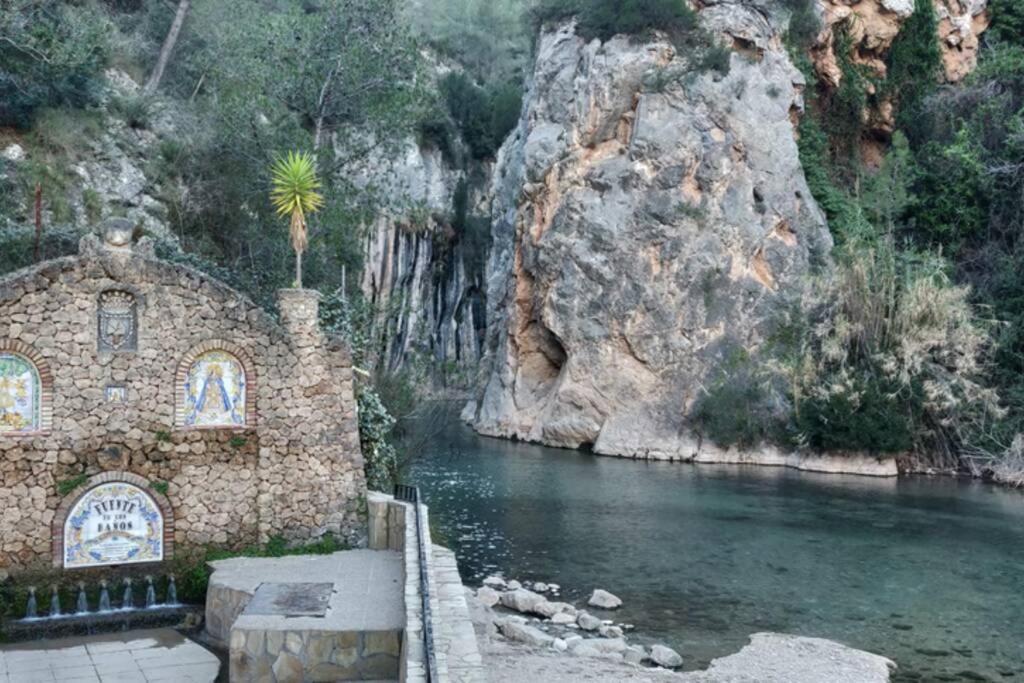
925 571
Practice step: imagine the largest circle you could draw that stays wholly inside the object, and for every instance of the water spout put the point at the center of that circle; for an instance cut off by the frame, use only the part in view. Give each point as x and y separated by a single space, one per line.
55 603
172 591
104 597
150 592
83 601
31 611
126 599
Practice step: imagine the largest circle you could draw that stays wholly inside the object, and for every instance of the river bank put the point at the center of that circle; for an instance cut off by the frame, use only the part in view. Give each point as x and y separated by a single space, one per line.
521 645
922 569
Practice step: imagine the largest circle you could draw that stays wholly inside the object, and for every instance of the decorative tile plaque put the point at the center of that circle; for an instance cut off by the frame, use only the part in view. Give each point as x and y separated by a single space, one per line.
113 523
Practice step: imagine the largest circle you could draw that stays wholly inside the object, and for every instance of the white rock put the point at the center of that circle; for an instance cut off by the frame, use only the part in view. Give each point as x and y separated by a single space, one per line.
634 655
607 644
588 622
524 633
14 152
488 596
560 645
514 585
562 619
540 587
524 601
554 587
495 582
610 632
569 640
666 657
604 600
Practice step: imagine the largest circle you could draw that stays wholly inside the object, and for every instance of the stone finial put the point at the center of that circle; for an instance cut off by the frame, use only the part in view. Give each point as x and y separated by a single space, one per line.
300 310
117 237
117 234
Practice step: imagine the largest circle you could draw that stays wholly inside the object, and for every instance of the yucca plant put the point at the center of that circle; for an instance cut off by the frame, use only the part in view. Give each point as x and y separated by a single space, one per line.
295 194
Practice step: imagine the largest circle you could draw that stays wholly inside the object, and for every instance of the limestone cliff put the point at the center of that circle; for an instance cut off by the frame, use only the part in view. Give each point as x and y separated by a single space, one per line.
414 274
648 220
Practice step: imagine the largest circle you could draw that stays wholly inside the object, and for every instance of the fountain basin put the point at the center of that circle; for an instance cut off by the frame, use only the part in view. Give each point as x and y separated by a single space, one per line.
104 622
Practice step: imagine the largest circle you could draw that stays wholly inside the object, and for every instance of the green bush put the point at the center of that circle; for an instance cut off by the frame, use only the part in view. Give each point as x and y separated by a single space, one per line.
865 412
17 245
603 19
54 58
483 116
913 66
804 24
375 426
135 110
734 412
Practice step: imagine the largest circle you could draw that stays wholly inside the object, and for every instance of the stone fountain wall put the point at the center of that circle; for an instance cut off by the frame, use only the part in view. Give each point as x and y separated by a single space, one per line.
113 334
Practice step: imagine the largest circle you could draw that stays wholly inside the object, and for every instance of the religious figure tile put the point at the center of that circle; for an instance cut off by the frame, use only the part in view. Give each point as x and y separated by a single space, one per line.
215 391
19 394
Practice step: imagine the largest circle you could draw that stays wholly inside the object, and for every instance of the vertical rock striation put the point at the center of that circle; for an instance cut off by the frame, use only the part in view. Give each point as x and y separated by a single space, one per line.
414 273
648 219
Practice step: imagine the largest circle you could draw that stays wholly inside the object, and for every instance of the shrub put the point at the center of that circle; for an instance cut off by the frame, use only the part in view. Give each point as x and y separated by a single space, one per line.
603 19
737 409
135 110
804 24
375 426
898 349
913 66
860 411
17 245
483 117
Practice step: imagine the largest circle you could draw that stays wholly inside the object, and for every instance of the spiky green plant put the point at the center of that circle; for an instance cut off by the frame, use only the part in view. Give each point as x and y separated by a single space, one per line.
295 194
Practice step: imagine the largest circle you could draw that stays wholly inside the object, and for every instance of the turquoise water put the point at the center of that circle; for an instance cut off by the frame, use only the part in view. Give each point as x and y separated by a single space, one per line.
928 572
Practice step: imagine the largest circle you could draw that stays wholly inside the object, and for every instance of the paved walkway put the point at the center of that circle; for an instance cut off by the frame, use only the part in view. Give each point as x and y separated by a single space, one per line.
132 657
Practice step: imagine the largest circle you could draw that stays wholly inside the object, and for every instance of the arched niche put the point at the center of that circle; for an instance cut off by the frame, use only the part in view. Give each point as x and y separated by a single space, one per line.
115 518
26 391
214 388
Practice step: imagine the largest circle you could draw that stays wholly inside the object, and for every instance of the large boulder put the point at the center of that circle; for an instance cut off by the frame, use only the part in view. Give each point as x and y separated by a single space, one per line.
642 236
524 601
604 600
666 657
524 633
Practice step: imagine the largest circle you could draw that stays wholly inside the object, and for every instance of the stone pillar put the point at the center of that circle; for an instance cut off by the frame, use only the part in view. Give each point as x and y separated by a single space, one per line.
300 310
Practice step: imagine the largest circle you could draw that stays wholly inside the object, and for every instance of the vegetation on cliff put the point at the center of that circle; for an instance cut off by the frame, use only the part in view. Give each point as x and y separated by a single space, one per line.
913 344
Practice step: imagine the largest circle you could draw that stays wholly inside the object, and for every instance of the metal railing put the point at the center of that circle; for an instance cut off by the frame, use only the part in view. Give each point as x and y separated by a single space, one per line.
411 494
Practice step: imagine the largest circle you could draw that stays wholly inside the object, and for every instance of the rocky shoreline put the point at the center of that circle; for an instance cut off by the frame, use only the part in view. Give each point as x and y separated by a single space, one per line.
527 634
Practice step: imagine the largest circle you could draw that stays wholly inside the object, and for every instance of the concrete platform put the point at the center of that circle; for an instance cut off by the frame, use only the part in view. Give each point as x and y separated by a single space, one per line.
321 617
130 657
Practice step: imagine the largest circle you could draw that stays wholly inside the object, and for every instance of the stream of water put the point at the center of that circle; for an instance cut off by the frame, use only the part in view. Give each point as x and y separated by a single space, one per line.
926 571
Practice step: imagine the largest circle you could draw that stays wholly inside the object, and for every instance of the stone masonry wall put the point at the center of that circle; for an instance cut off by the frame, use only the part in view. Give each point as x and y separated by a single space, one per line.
293 469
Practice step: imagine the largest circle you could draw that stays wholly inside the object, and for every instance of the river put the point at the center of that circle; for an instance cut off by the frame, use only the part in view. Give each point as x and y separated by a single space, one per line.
926 571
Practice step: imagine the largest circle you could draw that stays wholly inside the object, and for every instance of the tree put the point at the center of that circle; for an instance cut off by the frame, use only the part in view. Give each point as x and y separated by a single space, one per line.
295 195
165 52
51 54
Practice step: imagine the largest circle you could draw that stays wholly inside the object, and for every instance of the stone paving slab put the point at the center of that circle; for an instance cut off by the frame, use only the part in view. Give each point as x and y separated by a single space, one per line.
367 591
133 657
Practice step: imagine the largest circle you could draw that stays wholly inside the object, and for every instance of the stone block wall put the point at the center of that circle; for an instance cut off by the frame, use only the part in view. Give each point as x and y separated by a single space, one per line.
111 401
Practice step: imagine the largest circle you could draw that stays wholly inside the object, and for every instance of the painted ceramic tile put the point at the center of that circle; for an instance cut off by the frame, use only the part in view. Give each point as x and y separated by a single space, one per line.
19 394
215 391
113 523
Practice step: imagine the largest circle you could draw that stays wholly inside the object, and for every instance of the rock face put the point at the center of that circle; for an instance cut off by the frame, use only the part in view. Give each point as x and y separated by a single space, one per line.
414 271
642 233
